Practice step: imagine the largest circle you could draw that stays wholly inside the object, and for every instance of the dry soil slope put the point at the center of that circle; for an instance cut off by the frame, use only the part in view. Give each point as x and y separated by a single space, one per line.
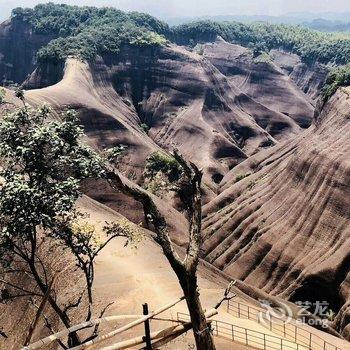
189 103
265 79
125 276
285 228
309 78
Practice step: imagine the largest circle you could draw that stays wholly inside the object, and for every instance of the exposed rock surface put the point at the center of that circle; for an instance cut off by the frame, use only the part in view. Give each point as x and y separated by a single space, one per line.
309 79
18 48
285 227
277 196
262 80
186 101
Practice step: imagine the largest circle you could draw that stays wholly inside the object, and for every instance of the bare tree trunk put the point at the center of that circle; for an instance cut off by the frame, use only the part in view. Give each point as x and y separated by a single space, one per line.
185 269
201 330
39 312
73 338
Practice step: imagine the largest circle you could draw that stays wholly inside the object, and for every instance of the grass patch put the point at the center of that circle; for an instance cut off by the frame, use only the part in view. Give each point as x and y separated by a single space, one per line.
241 177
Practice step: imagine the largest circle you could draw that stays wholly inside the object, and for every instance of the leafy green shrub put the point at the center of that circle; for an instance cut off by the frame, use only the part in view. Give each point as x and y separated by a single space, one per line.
199 49
241 177
161 162
263 58
114 153
105 39
2 95
339 76
145 128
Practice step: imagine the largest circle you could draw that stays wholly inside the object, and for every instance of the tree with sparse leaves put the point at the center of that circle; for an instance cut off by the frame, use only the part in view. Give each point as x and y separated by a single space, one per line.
43 164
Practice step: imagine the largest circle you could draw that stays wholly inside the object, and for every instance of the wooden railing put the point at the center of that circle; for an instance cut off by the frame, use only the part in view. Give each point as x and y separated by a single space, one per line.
247 336
277 325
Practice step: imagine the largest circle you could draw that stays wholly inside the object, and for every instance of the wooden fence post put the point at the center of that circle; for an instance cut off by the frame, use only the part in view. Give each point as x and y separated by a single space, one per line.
310 342
264 342
147 336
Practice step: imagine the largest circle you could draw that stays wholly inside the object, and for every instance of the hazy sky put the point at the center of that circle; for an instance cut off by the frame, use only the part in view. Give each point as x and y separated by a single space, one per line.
174 8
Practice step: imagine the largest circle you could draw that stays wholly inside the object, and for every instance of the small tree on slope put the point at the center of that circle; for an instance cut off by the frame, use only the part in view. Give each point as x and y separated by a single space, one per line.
42 166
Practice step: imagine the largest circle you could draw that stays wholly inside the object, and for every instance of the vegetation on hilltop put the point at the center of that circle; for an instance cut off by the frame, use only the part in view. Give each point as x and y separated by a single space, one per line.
338 77
85 32
310 45
103 39
64 20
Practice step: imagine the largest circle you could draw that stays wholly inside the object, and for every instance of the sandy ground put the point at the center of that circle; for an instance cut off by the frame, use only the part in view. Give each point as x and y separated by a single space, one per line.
131 276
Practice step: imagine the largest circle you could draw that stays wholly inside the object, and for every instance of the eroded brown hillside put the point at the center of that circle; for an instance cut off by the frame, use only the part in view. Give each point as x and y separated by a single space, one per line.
285 227
276 193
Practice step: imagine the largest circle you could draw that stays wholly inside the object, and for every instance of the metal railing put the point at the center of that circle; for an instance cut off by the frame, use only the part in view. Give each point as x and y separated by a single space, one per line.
247 336
277 325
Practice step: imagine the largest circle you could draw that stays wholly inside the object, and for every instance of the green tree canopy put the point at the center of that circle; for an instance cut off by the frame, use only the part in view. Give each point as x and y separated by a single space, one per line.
310 45
85 32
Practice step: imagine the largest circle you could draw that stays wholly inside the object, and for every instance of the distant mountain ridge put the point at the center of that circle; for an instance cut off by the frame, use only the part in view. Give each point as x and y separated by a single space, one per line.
327 25
324 21
318 21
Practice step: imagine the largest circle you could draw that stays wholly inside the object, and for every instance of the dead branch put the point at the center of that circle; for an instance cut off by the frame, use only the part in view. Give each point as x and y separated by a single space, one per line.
28 292
74 305
97 326
228 295
152 214
48 324
194 177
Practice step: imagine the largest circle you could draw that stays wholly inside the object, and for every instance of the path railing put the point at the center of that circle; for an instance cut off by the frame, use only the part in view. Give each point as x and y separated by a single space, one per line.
277 325
247 336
